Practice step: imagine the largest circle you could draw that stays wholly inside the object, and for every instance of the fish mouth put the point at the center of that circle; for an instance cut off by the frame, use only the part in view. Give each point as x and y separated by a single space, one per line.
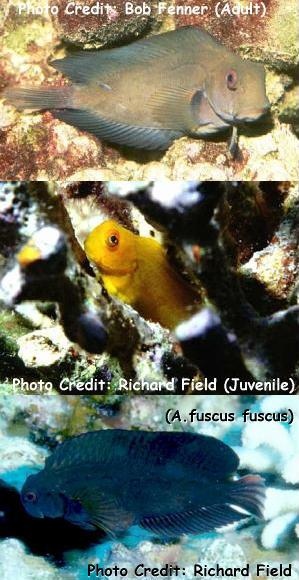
254 115
35 513
248 116
110 271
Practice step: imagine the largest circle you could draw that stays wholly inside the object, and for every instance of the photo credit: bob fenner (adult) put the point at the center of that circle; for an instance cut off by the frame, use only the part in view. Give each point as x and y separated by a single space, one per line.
143 9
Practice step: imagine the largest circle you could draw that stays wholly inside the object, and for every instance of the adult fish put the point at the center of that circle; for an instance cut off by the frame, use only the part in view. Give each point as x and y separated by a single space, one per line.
168 483
136 270
147 94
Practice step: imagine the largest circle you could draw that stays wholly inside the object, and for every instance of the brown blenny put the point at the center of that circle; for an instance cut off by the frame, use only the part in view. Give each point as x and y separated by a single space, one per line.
151 92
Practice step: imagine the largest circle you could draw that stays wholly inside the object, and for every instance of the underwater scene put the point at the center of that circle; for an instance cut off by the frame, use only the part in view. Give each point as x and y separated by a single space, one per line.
105 488
188 285
149 289
149 380
148 90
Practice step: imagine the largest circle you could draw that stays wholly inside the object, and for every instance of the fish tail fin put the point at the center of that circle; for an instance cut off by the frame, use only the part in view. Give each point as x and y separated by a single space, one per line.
248 493
40 98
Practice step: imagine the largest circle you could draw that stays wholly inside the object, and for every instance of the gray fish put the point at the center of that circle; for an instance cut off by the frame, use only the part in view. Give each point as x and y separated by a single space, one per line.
147 94
168 483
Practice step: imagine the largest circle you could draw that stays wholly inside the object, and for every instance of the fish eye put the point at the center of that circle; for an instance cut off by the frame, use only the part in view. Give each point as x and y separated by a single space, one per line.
30 496
113 240
232 79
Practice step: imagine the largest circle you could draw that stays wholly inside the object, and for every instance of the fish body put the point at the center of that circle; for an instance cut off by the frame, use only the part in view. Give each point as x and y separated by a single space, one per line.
153 91
136 270
168 483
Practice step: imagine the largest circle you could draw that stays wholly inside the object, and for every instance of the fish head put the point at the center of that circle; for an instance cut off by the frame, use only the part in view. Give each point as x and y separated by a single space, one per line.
40 500
112 249
236 90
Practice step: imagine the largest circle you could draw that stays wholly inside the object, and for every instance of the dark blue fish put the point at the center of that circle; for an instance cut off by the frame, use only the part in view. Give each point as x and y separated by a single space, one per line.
168 483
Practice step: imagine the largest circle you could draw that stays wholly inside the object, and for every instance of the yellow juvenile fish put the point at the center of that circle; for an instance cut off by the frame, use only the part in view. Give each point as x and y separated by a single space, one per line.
135 269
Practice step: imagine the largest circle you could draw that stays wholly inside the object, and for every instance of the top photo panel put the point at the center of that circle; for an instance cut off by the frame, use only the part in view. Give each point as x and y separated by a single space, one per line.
148 90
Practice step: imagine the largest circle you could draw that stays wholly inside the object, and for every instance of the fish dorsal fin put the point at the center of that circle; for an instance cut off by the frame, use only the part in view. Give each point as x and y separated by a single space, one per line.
114 132
137 449
85 66
101 509
203 519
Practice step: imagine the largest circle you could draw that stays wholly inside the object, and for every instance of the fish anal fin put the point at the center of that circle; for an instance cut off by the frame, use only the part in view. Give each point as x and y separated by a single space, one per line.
120 133
201 520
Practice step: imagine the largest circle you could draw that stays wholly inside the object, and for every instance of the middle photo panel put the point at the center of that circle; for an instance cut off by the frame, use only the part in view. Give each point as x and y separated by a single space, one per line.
181 287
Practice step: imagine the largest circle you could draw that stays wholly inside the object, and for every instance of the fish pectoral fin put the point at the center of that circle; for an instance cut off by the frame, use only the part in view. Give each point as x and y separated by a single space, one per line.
203 519
172 108
104 512
112 522
187 110
114 132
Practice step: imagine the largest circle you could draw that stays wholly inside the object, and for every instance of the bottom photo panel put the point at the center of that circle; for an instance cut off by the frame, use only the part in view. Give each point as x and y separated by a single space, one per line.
165 486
